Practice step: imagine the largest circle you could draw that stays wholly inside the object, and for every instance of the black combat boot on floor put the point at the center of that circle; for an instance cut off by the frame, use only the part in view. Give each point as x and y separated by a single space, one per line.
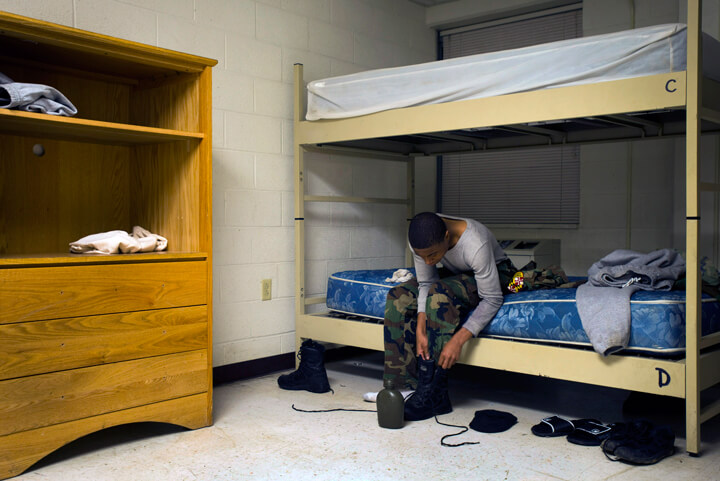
310 375
431 397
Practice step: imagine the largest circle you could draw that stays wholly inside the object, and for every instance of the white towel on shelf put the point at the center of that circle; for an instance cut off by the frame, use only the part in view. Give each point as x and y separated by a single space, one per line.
148 241
119 242
400 275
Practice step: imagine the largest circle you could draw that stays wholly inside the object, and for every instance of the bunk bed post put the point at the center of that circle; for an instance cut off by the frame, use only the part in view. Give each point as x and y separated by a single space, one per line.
410 205
692 145
299 168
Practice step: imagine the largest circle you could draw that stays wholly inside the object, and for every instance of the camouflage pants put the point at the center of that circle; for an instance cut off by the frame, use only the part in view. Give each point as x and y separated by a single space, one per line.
449 301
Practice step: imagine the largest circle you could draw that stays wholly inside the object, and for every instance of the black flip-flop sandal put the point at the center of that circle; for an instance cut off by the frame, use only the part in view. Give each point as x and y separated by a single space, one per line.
553 426
589 432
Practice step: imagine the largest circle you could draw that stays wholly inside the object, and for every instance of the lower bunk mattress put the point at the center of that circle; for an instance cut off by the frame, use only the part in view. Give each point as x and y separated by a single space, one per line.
548 316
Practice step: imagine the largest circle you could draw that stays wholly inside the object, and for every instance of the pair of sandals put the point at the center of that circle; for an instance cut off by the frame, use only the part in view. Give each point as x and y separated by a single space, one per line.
585 432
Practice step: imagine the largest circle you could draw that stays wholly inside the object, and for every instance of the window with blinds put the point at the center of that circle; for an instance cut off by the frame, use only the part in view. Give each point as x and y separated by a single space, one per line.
529 186
539 186
516 32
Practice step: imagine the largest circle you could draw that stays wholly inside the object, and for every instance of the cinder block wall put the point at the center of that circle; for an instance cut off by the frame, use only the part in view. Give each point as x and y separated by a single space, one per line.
256 43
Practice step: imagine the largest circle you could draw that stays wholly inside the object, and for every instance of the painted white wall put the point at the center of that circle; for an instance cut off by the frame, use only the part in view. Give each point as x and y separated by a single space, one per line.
651 215
256 43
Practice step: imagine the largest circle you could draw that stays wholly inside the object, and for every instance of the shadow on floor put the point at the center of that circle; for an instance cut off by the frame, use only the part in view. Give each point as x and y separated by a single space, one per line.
107 438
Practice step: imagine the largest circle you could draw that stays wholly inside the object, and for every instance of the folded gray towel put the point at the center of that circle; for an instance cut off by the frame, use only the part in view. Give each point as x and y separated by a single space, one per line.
33 98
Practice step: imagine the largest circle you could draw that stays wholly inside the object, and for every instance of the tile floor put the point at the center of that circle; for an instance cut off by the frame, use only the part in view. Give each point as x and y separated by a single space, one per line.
257 435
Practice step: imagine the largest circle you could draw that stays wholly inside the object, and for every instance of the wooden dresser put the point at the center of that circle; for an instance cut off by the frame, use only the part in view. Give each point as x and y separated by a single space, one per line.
93 341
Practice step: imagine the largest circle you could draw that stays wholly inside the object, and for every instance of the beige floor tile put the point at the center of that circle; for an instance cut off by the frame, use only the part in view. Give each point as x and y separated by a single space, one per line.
257 435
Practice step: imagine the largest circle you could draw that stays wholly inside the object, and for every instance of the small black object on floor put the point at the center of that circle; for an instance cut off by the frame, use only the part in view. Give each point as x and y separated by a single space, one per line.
492 421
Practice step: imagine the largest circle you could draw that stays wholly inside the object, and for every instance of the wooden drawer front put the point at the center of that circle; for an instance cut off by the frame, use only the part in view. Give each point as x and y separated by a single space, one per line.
39 347
46 399
39 293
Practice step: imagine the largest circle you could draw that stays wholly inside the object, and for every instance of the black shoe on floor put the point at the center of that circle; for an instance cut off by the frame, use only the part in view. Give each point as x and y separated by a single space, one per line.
310 375
639 442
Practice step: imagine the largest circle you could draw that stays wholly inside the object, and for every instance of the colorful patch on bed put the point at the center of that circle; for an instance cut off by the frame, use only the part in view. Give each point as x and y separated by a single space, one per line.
658 317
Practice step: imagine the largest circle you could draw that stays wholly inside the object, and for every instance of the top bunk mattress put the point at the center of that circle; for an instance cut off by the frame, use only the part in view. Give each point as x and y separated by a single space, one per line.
632 53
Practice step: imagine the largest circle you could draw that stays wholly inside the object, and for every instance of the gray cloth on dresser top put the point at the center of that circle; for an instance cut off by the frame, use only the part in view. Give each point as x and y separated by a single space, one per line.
604 302
33 98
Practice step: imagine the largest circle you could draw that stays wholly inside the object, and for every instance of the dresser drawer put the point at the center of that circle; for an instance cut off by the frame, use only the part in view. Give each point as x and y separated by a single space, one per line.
47 399
38 293
37 347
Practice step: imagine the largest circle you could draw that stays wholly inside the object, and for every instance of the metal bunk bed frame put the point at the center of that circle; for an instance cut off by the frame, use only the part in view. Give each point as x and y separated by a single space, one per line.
635 108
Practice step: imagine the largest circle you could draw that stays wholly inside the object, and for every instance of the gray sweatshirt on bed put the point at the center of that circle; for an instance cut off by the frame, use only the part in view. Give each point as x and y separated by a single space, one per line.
604 302
476 251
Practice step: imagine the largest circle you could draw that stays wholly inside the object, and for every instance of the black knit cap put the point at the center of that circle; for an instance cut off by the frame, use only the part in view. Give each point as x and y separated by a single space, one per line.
491 421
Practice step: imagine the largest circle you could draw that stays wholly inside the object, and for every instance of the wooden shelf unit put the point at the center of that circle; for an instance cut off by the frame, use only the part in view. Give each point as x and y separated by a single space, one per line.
92 341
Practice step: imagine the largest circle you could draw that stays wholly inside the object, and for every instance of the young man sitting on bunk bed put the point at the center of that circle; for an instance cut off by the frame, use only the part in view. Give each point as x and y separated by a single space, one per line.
428 316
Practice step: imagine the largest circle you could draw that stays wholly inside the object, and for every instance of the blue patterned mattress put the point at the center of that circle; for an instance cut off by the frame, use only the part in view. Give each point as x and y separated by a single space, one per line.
658 317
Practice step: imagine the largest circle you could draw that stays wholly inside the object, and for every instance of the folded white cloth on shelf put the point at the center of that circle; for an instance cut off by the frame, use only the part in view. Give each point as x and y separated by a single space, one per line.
400 275
119 241
148 241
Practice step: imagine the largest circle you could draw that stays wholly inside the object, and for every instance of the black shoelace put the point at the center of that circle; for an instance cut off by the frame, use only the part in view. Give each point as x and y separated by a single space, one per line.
442 440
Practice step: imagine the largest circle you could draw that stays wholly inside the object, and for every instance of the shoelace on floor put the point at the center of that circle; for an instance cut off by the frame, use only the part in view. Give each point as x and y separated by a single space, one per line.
442 440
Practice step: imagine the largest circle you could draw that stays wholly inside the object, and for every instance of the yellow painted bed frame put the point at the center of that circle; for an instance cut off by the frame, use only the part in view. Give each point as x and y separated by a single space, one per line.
687 377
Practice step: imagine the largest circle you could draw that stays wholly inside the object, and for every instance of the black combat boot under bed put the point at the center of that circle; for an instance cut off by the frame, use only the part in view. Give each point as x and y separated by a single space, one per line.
310 375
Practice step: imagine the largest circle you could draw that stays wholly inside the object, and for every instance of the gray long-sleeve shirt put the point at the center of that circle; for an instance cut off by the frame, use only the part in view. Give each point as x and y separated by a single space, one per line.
478 251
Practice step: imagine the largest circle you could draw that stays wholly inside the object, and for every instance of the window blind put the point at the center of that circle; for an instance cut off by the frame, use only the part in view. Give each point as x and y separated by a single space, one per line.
529 186
512 33
522 186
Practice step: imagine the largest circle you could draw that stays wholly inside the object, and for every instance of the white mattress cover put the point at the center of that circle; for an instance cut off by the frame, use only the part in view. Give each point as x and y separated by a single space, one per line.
631 53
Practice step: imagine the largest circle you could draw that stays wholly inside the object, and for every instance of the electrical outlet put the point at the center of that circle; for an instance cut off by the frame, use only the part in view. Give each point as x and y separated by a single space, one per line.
266 289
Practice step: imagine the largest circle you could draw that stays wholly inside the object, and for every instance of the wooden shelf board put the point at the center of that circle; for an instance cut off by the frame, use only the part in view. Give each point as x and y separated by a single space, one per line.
83 130
61 258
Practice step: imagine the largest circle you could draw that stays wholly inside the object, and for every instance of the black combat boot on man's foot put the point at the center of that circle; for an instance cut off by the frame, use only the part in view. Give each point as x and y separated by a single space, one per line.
441 396
310 375
431 397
